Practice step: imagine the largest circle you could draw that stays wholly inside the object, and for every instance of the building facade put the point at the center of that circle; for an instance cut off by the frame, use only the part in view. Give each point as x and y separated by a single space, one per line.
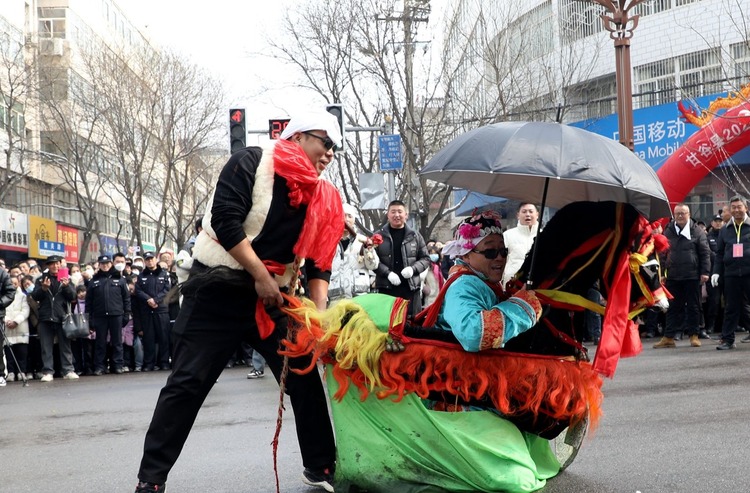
554 60
66 173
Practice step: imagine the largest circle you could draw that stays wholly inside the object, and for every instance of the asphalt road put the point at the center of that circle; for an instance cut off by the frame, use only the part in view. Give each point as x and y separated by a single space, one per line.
676 420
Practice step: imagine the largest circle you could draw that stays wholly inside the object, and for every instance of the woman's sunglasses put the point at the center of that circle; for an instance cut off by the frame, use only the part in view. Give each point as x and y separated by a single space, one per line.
492 253
327 142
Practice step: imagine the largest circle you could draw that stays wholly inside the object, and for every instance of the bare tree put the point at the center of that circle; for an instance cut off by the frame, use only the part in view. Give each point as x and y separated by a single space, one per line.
159 115
71 141
367 65
16 86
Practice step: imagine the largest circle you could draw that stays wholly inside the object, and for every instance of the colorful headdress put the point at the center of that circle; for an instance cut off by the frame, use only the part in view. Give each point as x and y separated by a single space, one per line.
471 231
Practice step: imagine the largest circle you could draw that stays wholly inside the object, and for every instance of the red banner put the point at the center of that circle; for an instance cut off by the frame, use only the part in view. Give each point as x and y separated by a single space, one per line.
69 237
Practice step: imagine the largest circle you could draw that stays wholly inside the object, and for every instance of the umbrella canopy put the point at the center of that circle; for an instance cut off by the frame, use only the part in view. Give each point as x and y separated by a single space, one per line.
516 160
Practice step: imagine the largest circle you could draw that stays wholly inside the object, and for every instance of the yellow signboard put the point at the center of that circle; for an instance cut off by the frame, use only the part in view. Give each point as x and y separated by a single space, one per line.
40 229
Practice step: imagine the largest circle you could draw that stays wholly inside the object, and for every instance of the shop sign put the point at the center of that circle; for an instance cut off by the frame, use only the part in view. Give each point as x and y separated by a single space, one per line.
41 229
14 231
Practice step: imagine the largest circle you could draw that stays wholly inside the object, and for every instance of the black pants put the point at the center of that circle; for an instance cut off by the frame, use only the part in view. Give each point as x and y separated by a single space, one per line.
155 325
735 291
684 314
107 326
208 330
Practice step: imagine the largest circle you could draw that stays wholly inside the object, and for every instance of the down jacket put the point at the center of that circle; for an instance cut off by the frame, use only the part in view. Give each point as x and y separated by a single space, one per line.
413 251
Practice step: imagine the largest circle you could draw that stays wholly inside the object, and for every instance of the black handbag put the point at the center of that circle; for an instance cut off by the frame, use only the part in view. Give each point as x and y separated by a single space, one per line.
76 325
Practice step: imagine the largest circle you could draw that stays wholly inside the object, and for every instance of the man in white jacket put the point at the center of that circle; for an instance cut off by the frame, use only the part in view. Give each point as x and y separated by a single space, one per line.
518 240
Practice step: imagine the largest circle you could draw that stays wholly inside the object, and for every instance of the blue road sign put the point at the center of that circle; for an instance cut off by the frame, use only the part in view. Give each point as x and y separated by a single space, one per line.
390 152
48 248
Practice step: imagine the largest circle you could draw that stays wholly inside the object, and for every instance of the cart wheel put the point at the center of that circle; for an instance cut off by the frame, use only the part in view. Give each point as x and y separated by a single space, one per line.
566 445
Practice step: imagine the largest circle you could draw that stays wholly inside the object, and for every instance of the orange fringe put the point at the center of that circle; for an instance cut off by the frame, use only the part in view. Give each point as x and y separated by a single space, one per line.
515 383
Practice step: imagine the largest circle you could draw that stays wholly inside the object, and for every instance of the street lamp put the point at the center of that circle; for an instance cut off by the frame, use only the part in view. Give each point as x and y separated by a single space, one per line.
621 25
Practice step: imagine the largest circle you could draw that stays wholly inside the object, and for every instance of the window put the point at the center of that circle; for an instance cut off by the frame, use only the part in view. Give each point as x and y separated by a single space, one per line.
579 20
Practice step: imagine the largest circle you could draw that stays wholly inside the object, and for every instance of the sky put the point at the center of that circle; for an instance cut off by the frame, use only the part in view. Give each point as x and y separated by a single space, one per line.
224 38
228 38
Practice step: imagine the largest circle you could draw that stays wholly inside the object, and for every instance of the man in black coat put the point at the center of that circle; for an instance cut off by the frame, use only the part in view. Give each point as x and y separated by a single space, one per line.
150 290
733 267
54 296
403 256
108 306
688 266
7 294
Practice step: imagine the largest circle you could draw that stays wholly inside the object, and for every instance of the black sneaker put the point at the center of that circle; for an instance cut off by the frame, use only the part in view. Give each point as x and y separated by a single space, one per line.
745 339
319 478
145 487
724 346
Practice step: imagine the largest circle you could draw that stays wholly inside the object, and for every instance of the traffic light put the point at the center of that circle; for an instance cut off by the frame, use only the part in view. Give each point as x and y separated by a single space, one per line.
276 127
237 130
337 110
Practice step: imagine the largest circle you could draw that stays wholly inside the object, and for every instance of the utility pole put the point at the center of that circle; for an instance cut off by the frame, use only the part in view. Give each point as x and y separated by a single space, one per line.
415 12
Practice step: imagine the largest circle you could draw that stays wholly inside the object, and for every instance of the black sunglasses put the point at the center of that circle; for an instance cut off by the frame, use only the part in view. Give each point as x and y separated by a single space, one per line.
327 142
492 253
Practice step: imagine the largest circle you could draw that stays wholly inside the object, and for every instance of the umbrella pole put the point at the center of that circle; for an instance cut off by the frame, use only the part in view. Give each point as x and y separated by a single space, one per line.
529 279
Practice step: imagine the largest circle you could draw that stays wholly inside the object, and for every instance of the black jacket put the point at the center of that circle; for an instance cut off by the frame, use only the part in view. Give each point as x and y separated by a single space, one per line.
7 292
687 259
413 252
152 284
54 302
726 263
107 295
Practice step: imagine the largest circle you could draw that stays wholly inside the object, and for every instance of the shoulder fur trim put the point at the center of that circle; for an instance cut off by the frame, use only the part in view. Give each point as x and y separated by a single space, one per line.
207 249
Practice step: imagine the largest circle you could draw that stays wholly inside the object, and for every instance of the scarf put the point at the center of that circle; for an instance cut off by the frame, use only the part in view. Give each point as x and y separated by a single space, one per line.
324 220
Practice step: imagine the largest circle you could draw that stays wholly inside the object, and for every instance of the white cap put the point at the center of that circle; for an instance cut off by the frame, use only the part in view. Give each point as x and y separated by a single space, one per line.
319 120
351 210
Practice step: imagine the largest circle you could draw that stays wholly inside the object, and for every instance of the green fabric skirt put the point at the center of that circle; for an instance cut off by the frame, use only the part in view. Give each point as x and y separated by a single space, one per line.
386 446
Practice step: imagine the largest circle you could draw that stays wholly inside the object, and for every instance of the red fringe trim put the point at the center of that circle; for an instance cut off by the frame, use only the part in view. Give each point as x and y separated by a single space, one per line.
515 384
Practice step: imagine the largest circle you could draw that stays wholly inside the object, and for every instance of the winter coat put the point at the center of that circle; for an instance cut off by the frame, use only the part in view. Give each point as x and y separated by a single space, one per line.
518 241
152 284
413 252
726 263
7 292
688 259
107 295
18 312
54 303
350 274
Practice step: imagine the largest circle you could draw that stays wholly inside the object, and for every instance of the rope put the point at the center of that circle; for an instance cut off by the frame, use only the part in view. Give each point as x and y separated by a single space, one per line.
282 380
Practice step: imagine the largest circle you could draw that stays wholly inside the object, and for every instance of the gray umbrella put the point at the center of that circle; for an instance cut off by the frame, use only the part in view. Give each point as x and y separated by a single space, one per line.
548 162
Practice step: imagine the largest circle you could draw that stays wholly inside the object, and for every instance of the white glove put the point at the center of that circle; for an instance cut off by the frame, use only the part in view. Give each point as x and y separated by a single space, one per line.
394 279
407 272
714 280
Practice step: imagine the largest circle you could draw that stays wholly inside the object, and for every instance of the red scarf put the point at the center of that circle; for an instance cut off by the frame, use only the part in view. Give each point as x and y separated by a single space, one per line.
324 220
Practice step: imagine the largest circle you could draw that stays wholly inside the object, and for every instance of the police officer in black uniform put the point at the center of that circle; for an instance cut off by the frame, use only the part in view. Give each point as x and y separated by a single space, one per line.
108 306
152 286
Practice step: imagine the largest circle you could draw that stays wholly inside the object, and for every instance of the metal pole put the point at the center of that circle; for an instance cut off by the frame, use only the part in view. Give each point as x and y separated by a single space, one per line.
621 25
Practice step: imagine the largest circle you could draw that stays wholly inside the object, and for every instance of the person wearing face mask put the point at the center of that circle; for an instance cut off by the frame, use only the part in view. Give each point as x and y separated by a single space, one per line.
108 306
138 266
434 279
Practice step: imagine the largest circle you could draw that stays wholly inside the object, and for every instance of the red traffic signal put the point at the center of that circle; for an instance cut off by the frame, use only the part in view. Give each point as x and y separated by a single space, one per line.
237 130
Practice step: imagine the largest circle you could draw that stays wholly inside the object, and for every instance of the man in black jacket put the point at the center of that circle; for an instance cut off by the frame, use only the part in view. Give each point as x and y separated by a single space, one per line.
108 306
152 286
7 294
403 256
733 267
54 297
688 266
